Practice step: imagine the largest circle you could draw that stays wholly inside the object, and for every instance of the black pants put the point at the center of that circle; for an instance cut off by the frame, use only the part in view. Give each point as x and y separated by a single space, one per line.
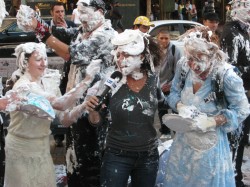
162 110
3 133
59 137
88 143
164 129
237 146
58 131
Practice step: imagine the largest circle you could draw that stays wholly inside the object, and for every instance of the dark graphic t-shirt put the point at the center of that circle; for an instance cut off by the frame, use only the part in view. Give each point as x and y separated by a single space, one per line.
132 116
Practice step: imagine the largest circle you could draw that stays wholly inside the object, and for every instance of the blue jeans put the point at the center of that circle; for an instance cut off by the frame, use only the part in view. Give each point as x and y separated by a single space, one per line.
118 165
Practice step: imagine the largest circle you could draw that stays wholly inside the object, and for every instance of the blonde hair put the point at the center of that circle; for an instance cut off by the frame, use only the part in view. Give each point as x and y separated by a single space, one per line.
202 40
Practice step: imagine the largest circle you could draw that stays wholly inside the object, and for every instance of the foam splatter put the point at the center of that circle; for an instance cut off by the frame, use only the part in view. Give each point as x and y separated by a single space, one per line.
3 11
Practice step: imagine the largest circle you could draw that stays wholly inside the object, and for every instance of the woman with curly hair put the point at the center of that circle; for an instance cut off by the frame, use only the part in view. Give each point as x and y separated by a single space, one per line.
210 99
131 147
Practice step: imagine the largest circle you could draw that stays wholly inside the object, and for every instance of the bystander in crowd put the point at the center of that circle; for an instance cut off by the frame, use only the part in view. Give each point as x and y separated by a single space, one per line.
143 24
38 12
171 55
76 17
116 17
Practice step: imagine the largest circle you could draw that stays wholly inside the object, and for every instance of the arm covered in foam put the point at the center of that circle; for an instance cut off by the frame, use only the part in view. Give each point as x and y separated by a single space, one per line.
28 20
238 106
69 117
69 99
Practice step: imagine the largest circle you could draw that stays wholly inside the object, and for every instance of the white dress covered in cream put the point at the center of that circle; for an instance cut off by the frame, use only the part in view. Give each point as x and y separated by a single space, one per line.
28 159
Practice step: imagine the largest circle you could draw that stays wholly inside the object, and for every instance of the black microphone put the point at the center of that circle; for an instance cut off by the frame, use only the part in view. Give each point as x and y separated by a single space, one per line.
110 83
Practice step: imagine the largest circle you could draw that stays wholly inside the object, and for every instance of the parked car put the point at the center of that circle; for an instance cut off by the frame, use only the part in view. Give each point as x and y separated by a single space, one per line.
175 28
10 37
10 34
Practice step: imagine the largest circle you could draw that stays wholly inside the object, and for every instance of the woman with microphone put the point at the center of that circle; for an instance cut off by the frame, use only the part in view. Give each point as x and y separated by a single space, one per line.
131 146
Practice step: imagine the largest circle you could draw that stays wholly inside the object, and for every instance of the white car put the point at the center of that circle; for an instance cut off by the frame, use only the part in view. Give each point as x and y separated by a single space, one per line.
175 28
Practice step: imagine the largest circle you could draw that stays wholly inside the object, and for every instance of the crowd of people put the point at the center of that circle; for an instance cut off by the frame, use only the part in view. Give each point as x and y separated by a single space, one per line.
114 85
184 10
187 10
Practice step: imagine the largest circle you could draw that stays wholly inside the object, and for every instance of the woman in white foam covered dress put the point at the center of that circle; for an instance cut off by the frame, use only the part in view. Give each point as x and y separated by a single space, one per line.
28 159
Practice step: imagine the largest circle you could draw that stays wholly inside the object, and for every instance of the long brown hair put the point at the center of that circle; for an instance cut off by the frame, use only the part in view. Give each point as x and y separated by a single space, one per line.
152 50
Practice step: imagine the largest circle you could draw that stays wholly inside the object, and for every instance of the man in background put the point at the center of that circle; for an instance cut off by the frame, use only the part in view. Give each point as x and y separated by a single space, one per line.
186 10
228 12
14 8
57 12
143 24
156 11
175 14
211 20
116 17
172 54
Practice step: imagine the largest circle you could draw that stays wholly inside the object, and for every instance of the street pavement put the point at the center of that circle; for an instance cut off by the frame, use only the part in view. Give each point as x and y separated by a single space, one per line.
58 155
246 159
246 167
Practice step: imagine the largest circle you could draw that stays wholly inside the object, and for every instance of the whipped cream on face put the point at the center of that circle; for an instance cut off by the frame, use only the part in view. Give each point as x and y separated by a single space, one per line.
89 17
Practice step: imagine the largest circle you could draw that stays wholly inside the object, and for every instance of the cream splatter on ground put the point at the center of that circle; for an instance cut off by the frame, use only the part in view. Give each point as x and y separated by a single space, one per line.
61 169
246 167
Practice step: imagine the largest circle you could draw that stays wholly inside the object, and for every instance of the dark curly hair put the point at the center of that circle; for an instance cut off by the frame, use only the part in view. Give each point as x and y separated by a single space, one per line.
152 50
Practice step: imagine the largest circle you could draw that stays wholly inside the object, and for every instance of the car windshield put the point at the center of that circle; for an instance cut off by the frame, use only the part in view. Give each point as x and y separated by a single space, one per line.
6 23
175 29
